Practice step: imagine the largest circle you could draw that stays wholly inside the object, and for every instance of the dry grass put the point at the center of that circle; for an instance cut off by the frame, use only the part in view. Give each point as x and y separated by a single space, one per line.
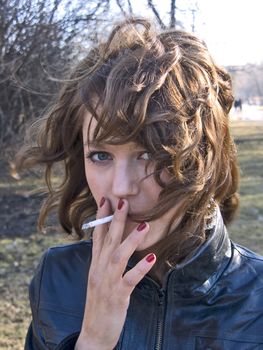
247 229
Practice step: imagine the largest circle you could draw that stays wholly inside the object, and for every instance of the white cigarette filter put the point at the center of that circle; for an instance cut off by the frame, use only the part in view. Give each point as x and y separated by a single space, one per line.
97 222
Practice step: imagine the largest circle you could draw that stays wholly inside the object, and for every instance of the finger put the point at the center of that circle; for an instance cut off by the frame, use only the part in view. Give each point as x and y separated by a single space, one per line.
100 231
136 274
116 229
122 254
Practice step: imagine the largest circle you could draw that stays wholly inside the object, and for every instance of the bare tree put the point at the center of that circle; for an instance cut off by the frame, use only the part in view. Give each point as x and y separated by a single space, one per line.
156 13
172 14
37 38
121 4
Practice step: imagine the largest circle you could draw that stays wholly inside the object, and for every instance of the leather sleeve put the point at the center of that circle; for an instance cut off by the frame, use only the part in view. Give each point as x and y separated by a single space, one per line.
37 338
32 342
34 339
68 343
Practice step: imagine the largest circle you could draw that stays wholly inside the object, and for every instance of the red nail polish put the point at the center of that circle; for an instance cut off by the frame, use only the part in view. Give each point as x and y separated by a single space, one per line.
150 257
141 226
120 204
102 201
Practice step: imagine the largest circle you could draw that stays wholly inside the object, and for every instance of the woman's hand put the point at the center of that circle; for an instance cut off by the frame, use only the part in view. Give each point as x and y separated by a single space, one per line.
108 292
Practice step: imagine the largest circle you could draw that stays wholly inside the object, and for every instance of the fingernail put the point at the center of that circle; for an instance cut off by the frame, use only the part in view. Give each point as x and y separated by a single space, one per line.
102 201
120 204
141 226
150 258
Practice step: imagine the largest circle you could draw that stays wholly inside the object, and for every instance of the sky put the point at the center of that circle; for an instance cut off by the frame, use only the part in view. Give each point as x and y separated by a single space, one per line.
232 29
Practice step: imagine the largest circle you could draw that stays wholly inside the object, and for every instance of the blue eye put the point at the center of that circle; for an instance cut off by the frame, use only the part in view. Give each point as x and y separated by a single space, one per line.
98 156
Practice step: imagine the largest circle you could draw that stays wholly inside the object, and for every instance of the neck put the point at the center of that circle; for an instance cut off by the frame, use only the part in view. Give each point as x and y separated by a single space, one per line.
159 269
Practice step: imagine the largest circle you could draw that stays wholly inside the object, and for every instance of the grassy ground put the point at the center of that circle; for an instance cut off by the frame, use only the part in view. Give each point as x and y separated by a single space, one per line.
247 229
21 246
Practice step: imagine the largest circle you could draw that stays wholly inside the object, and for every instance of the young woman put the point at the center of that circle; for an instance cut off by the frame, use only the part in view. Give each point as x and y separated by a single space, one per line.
141 129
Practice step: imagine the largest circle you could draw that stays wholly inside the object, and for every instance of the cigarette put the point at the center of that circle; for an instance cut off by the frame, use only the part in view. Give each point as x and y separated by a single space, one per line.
97 222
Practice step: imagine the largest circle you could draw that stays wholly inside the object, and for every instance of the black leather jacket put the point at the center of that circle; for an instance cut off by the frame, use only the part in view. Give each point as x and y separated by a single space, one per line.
214 300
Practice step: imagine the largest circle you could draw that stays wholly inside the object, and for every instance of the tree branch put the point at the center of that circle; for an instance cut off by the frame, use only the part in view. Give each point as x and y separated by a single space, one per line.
152 7
121 7
130 7
172 14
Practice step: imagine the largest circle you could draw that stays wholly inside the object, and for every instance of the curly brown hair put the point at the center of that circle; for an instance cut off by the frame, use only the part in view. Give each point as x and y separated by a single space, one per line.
163 91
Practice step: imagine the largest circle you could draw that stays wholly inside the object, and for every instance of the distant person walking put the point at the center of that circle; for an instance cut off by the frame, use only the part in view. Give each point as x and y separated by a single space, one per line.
238 105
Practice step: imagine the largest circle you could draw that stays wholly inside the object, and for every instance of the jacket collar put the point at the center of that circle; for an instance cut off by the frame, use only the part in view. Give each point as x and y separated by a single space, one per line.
196 275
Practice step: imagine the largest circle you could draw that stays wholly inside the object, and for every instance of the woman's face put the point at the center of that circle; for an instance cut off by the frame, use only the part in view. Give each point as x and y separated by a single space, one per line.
118 171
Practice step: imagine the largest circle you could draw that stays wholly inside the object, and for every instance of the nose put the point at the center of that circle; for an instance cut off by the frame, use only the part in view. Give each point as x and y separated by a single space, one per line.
125 182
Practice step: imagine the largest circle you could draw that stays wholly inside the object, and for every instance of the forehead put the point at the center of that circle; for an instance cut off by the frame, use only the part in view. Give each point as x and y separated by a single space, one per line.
89 125
102 126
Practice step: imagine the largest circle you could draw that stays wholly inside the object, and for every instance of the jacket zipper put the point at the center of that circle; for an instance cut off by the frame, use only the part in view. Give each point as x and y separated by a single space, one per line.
160 321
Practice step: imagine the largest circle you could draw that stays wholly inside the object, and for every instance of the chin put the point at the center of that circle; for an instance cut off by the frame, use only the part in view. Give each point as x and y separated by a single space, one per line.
129 227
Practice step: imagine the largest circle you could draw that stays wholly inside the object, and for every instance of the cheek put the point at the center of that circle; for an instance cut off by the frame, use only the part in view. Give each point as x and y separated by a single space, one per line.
152 189
94 182
153 192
